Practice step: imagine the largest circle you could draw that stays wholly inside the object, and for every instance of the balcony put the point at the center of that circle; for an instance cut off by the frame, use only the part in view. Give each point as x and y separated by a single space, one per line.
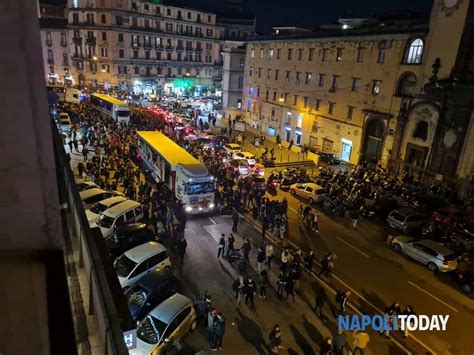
198 50
159 47
147 45
77 56
63 44
65 63
91 41
48 42
179 49
189 49
169 48
51 61
218 63
77 41
135 45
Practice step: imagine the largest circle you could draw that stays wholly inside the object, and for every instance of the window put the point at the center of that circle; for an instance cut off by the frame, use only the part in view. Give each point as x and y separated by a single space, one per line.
274 97
335 82
317 104
406 85
331 107
381 56
169 27
65 59
103 18
360 55
421 130
305 101
120 37
269 73
147 7
50 55
241 82
261 53
209 32
355 84
209 18
414 52
298 74
258 92
308 78
290 53
321 80
259 72
295 100
270 54
189 15
339 55
311 54
278 53
135 54
168 56
104 36
121 54
147 54
168 12
106 68
287 75
300 54
350 111
251 71
375 87
63 38
277 72
75 18
324 57
104 52
285 97
252 53
266 95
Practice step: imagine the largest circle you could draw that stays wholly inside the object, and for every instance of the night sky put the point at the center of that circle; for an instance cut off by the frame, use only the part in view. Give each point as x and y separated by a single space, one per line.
305 13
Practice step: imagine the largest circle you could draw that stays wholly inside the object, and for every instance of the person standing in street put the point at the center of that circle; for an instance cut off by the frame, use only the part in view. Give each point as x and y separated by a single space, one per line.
211 318
230 244
278 141
361 339
238 287
260 259
275 340
341 299
249 292
355 218
320 299
264 227
218 332
290 145
339 343
326 266
290 288
326 346
221 246
247 248
263 284
308 261
408 311
316 221
285 258
181 247
85 151
269 253
235 220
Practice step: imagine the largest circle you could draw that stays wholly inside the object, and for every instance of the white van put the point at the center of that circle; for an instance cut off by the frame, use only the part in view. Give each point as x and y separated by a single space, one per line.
64 122
124 213
93 214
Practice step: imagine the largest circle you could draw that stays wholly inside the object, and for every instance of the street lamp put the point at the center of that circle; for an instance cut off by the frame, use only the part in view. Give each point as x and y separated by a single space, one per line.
94 58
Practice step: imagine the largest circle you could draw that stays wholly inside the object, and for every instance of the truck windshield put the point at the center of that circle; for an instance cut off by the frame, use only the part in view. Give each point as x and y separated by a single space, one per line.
123 113
194 188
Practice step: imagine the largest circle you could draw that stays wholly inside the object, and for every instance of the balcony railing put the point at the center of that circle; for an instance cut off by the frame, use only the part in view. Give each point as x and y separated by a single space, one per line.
169 48
51 61
135 45
159 47
189 49
48 42
91 41
77 56
65 63
147 45
77 41
179 49
63 44
198 50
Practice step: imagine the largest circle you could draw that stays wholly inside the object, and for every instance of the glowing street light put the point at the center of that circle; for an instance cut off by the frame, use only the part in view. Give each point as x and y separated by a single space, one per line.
94 58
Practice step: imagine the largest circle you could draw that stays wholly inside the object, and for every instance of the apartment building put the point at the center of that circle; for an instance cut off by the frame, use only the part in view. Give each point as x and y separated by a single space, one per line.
144 46
339 90
55 44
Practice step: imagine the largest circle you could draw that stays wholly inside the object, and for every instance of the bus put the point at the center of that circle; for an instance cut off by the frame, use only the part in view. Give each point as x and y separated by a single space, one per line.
112 107
171 164
66 94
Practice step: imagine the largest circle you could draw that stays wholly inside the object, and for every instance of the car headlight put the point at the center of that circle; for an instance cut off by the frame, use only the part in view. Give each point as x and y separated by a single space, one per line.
188 208
211 205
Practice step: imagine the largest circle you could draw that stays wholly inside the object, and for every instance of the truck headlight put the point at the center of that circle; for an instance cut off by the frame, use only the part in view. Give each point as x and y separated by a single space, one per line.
188 208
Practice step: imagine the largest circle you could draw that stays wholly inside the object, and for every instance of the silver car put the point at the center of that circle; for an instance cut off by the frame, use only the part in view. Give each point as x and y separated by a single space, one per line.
430 253
406 219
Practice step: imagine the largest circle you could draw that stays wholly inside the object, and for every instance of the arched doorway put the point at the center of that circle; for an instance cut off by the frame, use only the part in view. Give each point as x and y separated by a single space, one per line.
373 140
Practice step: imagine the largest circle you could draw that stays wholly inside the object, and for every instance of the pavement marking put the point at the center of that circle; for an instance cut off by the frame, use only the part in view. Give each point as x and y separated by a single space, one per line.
400 345
212 220
353 247
436 298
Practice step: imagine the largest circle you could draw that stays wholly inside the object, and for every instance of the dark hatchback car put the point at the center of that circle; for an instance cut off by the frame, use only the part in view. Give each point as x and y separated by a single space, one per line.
128 237
150 291
329 158
464 278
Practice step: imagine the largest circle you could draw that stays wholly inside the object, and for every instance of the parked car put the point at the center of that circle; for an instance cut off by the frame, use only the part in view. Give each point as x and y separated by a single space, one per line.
127 237
140 260
86 185
464 278
166 323
406 219
328 158
149 292
247 156
430 253
240 165
124 213
381 207
426 203
448 217
232 148
93 214
91 196
309 191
